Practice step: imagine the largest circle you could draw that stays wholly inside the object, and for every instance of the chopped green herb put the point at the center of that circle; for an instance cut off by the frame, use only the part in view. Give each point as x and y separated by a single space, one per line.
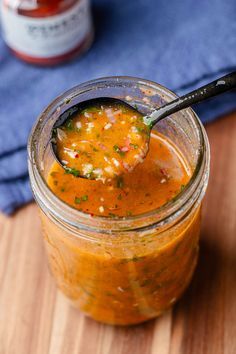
53 174
55 183
90 175
77 200
92 109
62 189
72 171
129 213
140 119
120 182
123 109
71 111
182 187
118 150
112 215
119 197
135 146
69 125
140 129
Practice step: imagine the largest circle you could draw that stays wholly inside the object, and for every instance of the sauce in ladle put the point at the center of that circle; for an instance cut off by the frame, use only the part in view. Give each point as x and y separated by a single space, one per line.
101 139
105 137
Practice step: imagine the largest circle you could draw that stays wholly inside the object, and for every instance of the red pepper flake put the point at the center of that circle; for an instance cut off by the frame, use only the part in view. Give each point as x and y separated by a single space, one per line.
92 214
77 155
164 173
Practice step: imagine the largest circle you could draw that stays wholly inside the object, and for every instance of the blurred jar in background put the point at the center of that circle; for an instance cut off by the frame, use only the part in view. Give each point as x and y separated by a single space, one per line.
47 32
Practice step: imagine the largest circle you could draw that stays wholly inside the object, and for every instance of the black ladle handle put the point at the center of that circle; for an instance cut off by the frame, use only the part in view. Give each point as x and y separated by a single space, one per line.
212 89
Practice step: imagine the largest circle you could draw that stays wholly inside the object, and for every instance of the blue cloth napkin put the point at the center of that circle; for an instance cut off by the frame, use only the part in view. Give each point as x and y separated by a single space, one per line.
180 44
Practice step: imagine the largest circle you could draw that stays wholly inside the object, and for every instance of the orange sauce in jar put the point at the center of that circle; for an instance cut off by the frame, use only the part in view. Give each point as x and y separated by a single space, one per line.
162 176
125 278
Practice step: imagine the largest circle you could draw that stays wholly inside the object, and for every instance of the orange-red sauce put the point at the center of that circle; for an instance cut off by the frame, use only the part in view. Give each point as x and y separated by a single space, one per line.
161 176
102 141
111 278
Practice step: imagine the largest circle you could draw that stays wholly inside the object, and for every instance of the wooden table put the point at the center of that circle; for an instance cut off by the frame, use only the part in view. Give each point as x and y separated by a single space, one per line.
35 318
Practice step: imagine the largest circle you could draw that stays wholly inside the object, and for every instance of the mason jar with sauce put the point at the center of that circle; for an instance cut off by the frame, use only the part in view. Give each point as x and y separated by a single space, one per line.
124 269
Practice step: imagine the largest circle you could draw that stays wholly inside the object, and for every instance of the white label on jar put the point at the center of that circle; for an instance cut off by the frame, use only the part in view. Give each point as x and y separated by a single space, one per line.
47 37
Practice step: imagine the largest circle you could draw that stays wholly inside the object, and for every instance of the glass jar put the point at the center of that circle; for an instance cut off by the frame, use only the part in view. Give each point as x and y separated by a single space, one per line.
126 270
46 32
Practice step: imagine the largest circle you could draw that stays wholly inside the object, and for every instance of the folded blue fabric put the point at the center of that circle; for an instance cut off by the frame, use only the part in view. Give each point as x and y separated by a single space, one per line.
180 44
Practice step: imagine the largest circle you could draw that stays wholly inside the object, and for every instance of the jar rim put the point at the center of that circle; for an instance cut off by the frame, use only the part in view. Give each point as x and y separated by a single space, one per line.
77 220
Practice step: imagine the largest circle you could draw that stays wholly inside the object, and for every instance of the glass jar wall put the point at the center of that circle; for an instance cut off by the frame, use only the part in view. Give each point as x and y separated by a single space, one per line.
124 270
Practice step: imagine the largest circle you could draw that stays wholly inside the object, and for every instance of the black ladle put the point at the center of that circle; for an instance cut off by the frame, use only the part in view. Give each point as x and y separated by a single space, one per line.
214 88
203 93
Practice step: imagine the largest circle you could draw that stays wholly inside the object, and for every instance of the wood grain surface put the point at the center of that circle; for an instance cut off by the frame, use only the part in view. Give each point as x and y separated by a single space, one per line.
36 319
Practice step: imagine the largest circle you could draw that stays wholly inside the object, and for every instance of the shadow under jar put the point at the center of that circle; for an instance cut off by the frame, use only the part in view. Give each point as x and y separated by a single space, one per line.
127 270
